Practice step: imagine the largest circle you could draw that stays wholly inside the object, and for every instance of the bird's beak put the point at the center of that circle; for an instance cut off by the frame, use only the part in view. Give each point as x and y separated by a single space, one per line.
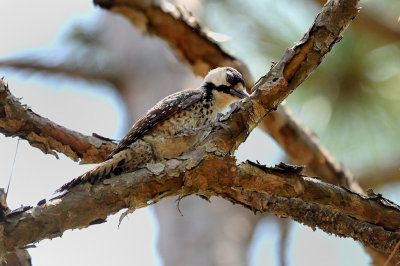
239 91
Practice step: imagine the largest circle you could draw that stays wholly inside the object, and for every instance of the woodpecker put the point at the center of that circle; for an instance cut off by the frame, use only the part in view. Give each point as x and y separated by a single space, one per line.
169 128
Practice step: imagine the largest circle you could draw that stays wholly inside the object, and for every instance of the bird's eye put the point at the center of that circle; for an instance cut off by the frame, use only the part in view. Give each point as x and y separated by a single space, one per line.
230 78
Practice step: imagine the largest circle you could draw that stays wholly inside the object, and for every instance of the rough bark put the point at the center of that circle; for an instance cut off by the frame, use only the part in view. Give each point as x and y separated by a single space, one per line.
282 190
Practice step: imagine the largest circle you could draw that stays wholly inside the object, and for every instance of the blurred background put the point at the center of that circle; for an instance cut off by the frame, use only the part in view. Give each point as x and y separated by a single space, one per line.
102 75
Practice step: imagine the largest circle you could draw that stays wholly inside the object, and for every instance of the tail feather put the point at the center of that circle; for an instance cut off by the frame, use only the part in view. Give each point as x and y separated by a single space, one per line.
125 160
101 171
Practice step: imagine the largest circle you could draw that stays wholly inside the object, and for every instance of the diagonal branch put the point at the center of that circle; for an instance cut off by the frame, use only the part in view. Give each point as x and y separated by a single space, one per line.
19 120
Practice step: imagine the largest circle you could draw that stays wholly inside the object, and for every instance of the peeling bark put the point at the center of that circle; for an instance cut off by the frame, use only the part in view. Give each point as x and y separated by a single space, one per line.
279 190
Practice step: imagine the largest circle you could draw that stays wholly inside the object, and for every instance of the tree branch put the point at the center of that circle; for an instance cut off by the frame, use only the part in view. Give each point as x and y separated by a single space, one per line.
282 190
19 120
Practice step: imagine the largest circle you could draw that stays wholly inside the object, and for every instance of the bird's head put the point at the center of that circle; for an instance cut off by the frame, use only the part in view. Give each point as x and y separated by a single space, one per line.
226 80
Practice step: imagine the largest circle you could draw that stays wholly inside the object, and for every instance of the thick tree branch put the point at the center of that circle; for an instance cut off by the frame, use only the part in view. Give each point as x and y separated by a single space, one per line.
19 120
281 190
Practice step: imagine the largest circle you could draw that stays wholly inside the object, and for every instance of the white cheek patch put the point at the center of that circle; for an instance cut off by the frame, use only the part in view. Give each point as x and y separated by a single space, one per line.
222 102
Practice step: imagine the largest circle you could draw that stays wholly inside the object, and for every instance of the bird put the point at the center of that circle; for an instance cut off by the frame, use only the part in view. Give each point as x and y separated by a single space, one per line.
168 129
